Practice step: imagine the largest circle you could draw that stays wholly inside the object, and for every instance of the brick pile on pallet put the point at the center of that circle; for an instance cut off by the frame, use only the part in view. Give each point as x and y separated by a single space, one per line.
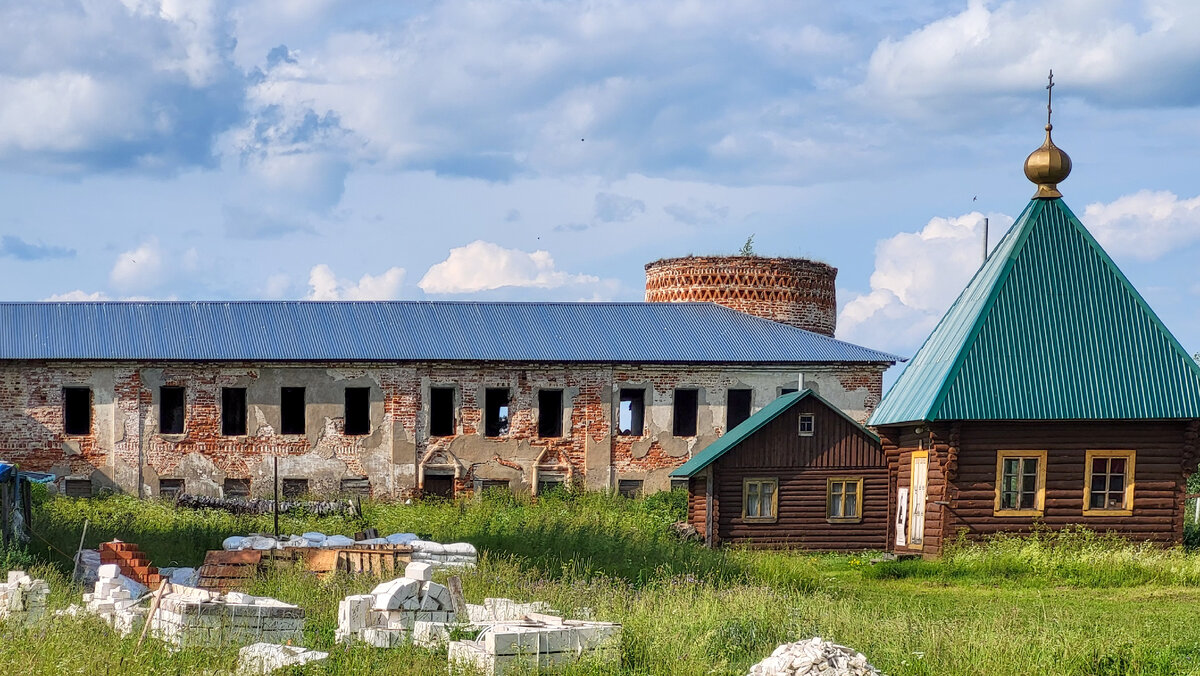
411 608
814 657
113 601
133 563
22 598
538 642
189 617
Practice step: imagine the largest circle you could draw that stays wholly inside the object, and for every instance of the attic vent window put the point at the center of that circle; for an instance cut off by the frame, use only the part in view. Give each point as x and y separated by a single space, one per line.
806 424
360 486
170 410
632 413
686 409
77 410
496 415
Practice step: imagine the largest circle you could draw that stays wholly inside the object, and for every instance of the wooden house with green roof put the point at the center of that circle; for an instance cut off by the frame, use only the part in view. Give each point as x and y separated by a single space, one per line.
1050 393
798 473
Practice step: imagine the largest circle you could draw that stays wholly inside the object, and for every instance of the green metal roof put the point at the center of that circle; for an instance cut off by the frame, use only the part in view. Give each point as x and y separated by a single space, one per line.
751 425
1048 329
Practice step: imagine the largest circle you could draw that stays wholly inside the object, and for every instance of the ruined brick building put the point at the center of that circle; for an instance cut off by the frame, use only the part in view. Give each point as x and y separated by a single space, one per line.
401 398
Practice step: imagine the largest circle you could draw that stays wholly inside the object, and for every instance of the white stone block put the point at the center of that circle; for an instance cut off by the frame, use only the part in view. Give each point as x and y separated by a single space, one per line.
419 571
353 612
109 571
383 638
404 589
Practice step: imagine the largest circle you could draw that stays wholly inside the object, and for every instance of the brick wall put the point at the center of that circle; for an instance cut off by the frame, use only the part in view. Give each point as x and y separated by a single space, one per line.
793 291
124 449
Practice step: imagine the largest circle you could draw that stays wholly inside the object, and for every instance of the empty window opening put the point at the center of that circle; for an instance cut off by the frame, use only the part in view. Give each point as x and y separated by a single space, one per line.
495 422
170 410
291 410
737 408
439 485
293 488
77 410
679 484
550 413
487 485
236 488
632 413
78 488
806 424
170 488
550 483
233 411
787 390
686 407
359 485
631 488
358 410
441 411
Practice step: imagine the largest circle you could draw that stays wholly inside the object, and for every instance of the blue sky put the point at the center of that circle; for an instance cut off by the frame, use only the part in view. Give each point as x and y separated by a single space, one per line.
547 150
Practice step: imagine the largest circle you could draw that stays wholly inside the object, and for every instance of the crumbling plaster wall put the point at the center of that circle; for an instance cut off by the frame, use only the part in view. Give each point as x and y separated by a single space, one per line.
125 450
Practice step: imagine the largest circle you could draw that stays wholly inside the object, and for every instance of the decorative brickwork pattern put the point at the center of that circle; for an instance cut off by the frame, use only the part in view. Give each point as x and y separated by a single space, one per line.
793 291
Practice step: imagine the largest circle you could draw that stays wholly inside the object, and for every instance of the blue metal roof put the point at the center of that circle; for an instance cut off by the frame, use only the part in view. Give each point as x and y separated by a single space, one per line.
411 331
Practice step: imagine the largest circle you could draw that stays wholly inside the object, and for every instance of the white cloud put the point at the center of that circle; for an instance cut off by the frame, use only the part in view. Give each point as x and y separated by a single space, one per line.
323 284
1146 224
1102 51
613 208
917 276
140 269
78 295
482 266
277 286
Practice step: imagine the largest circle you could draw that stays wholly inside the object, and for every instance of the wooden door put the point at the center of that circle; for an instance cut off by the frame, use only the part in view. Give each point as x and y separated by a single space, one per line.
918 481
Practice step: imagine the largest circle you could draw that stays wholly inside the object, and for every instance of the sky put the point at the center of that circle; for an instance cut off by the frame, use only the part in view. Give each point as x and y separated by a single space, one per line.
504 150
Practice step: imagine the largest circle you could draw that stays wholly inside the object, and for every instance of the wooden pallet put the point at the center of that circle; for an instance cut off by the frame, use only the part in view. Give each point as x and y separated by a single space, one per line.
232 571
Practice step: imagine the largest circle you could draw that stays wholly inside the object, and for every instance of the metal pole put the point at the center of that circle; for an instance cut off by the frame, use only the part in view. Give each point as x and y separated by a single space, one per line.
985 239
79 551
276 510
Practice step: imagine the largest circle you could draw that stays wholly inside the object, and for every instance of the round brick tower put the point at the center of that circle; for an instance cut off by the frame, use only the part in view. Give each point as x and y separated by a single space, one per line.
793 291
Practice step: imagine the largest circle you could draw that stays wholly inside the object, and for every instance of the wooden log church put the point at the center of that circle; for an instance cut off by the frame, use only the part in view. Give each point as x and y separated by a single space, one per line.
1050 393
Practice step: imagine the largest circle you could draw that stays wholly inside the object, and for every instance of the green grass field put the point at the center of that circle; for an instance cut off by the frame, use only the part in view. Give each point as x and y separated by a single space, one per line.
1074 603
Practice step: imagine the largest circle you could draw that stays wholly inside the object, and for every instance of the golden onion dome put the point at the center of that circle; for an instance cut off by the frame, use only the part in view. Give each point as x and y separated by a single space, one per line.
1047 167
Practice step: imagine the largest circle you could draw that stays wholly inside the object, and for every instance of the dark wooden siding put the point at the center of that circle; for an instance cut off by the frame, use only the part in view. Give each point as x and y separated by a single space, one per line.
697 503
803 465
971 449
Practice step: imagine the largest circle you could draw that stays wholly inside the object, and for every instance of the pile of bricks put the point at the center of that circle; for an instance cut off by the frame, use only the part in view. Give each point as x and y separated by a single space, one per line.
410 608
188 617
133 563
22 598
113 602
538 642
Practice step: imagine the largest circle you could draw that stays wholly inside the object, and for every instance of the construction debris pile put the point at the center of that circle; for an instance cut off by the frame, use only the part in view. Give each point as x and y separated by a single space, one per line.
812 658
257 506
438 555
410 608
189 617
264 658
537 642
22 598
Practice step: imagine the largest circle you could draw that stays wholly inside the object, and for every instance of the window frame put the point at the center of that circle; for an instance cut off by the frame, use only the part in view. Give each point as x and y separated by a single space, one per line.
1039 500
812 424
774 482
636 414
1130 457
858 499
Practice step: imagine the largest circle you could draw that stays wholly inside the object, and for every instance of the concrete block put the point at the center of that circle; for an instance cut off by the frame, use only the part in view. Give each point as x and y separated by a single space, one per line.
109 571
264 658
353 612
383 638
419 571
397 594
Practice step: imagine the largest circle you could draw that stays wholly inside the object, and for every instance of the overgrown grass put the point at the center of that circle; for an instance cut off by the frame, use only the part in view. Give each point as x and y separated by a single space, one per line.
1072 603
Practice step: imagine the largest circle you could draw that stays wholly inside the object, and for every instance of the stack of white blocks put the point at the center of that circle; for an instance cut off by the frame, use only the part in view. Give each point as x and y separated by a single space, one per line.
195 617
22 598
503 610
112 600
538 642
412 607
